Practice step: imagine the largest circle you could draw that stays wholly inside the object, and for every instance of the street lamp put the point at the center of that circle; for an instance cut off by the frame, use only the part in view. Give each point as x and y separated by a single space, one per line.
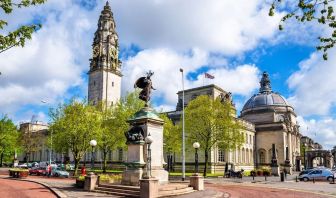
196 145
93 143
149 140
183 145
51 140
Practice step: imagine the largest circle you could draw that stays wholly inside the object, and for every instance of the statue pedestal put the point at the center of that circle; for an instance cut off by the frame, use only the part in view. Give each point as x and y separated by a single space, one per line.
135 164
288 167
150 123
275 170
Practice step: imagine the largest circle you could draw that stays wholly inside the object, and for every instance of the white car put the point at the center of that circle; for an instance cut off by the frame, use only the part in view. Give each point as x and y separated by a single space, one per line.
317 174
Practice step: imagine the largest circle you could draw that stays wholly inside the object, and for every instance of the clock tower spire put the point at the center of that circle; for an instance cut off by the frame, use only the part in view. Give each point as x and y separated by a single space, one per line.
105 74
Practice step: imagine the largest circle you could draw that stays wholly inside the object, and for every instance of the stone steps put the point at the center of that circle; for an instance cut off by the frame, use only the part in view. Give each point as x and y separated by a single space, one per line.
174 189
119 190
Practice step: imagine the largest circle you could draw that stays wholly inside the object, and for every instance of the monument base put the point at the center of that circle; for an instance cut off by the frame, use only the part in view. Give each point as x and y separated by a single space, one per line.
161 175
275 170
288 169
132 177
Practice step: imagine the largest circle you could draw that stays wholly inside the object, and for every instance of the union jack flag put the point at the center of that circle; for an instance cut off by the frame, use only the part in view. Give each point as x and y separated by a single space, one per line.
207 75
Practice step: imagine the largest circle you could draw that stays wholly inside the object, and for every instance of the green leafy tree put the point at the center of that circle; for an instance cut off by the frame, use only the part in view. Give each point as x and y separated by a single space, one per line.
114 124
320 11
73 126
8 138
31 141
171 135
19 36
210 122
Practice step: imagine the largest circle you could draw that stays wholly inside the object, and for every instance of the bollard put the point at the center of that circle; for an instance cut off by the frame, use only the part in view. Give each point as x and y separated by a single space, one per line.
253 177
282 177
333 179
265 177
313 180
296 178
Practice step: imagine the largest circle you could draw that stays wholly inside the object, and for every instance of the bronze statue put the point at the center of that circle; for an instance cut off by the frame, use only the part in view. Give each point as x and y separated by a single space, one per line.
135 134
145 83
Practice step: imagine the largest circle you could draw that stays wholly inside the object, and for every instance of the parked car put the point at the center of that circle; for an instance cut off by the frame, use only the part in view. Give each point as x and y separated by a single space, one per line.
305 172
317 174
22 165
57 172
37 171
45 164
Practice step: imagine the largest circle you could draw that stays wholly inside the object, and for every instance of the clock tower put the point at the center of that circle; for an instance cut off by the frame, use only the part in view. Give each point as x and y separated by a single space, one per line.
104 74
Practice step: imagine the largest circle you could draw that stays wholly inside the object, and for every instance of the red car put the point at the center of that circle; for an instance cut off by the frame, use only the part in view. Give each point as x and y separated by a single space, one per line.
37 171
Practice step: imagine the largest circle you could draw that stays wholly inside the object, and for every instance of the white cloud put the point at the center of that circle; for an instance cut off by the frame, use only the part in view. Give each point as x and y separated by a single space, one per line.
322 131
172 33
165 63
229 27
313 87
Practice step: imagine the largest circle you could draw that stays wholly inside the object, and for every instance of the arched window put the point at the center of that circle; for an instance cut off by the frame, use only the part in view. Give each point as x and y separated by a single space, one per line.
262 154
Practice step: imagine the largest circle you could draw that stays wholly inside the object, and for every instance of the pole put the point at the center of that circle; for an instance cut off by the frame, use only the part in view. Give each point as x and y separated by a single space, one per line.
92 162
196 161
50 153
304 157
183 146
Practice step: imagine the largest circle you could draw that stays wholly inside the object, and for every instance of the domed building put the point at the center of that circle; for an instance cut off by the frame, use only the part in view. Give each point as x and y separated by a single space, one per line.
275 123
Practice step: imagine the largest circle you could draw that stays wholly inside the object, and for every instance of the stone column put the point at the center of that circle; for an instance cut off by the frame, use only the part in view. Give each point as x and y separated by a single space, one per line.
91 180
149 188
197 182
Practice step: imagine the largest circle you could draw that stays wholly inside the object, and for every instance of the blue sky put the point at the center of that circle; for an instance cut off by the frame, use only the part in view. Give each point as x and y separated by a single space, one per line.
233 40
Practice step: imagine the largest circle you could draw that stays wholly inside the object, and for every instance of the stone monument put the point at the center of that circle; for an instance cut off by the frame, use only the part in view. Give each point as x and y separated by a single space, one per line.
274 162
144 122
287 162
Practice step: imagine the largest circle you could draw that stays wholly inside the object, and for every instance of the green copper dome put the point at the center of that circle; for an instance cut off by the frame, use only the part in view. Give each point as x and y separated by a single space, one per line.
145 113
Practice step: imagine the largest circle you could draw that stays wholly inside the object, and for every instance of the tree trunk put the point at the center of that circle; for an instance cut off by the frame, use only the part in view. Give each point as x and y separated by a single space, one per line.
1 159
76 158
206 158
105 160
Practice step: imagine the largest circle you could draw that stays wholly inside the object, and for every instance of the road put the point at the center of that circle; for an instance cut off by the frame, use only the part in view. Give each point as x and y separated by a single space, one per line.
14 188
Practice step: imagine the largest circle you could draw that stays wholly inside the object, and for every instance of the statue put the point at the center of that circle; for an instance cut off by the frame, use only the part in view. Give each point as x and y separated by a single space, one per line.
135 134
274 161
145 83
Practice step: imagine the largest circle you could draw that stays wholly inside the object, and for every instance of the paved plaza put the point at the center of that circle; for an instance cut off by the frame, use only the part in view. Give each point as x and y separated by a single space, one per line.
214 187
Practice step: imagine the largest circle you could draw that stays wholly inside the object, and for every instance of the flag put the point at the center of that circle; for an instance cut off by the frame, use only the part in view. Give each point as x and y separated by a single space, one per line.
206 75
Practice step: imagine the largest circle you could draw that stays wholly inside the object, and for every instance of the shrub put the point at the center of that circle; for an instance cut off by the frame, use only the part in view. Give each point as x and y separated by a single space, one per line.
253 173
247 173
81 178
110 178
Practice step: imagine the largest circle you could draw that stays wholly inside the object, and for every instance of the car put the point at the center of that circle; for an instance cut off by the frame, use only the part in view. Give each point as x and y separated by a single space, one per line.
22 165
57 172
317 174
37 171
305 172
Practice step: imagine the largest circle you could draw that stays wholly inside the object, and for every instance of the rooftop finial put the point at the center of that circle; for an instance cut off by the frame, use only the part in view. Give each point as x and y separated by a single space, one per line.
265 83
107 3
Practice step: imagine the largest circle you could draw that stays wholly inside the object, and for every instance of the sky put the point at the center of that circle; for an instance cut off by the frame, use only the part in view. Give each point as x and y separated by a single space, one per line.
235 41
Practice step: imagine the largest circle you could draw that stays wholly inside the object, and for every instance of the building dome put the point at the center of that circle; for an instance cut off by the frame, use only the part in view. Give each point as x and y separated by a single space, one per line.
266 97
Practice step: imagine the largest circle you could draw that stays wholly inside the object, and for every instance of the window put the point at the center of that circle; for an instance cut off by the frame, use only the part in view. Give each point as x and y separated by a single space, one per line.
247 139
112 84
120 154
221 155
94 83
262 156
110 155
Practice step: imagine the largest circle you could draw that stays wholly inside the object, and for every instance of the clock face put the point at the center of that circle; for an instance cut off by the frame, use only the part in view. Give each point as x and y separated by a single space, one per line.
113 52
95 51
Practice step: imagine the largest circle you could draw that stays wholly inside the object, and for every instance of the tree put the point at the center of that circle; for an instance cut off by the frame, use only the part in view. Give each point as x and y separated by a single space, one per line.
320 11
114 124
22 33
210 122
73 126
171 138
8 138
31 141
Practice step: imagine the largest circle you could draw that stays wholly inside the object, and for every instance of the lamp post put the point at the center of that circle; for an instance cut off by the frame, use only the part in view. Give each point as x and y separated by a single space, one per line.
196 145
93 143
51 140
149 140
183 145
